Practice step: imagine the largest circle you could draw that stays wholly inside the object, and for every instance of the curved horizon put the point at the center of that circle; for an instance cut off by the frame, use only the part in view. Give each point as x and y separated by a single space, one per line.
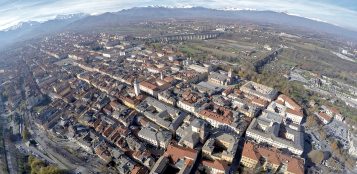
342 13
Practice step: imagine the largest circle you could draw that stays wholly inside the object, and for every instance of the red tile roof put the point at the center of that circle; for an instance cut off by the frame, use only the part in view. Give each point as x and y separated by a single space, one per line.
249 152
228 119
139 170
108 131
295 112
290 101
334 110
259 102
148 85
272 155
228 91
177 152
325 116
114 104
169 79
216 164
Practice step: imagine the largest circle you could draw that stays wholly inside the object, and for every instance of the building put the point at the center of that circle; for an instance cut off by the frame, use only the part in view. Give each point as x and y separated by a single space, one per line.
258 158
245 107
260 91
149 135
332 112
269 128
164 138
258 102
160 165
131 102
149 88
220 79
189 76
208 88
222 118
125 164
136 87
154 86
286 112
215 166
102 151
200 69
139 170
222 147
288 102
324 118
190 101
176 159
167 97
287 108
156 138
196 133
162 114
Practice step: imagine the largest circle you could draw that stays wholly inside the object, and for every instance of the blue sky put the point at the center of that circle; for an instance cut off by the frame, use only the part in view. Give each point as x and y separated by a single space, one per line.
338 12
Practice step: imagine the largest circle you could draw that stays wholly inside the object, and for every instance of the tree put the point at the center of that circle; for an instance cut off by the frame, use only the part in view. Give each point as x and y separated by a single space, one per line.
36 165
322 133
22 106
335 145
350 163
316 156
25 134
40 167
311 121
52 170
4 96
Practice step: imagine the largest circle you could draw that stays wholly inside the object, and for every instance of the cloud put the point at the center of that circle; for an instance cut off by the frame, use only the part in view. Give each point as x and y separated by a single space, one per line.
14 11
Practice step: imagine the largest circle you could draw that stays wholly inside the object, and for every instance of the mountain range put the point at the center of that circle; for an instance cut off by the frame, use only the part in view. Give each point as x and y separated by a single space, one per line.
83 22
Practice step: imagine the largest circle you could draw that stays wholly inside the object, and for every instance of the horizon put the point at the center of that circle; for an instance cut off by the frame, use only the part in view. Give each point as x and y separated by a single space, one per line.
342 13
178 86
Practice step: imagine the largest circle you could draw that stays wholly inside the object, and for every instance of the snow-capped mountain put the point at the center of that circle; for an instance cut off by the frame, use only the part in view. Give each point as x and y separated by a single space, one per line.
30 29
20 25
55 18
82 22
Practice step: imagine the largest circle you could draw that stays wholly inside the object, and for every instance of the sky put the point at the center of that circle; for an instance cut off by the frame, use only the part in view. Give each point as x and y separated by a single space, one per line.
342 13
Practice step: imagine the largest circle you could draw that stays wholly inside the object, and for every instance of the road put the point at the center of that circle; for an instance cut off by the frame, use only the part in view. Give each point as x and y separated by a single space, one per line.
54 151
5 83
44 142
9 158
34 151
11 167
57 154
352 171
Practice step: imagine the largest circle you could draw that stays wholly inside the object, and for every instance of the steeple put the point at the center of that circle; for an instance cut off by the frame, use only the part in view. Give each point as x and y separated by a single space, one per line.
230 73
161 75
136 87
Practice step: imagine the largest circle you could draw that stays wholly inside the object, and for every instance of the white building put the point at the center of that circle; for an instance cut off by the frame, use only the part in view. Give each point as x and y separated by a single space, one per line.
200 69
159 139
267 129
259 90
295 116
220 79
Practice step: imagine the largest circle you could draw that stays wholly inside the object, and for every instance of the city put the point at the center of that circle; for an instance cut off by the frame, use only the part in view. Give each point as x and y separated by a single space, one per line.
203 96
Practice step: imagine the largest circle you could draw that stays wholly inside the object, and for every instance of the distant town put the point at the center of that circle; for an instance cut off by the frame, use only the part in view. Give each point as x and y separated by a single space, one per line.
112 103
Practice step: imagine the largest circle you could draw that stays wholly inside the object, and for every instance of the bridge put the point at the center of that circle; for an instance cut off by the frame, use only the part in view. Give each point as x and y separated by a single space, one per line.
183 37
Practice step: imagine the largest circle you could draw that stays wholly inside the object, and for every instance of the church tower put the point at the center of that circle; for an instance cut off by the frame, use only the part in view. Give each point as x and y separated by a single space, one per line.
230 73
161 75
136 87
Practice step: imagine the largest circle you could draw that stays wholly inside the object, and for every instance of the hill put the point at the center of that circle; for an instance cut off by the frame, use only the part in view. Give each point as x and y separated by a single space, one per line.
83 22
